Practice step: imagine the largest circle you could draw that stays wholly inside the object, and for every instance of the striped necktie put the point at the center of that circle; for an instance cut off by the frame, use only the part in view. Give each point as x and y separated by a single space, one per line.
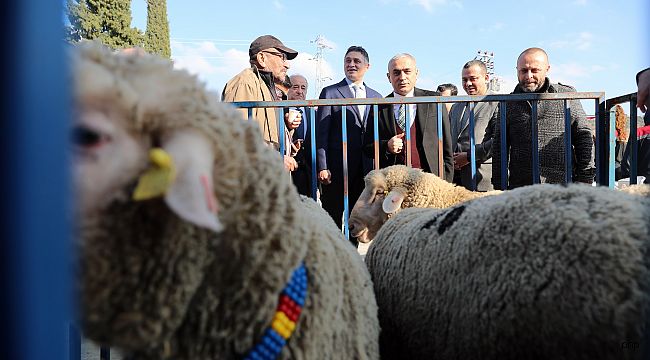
401 117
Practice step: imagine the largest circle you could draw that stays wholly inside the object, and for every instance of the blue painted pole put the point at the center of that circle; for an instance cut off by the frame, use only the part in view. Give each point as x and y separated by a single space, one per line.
312 134
375 122
599 139
611 163
407 137
281 133
568 149
504 145
472 146
633 143
441 165
534 143
346 195
35 276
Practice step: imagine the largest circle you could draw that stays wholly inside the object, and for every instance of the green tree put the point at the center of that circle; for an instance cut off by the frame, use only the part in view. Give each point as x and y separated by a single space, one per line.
157 34
109 21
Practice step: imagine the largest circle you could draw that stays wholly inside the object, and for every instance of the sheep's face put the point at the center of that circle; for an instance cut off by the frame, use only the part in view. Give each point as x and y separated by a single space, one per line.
106 157
375 205
367 216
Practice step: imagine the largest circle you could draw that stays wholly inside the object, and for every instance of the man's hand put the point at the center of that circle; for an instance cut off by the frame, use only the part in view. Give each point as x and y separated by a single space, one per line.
395 144
460 160
290 163
325 177
643 91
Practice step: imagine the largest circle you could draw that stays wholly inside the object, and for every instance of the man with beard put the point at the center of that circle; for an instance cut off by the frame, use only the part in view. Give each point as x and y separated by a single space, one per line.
532 67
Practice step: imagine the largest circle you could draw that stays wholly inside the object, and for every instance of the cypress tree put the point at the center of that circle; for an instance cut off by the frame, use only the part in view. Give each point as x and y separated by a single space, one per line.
109 21
157 34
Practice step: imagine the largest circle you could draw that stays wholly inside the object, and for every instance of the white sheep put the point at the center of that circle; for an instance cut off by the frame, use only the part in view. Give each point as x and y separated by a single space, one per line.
398 187
162 276
540 272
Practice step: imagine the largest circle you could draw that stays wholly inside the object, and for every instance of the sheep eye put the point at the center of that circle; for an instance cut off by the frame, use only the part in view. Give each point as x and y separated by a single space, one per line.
85 137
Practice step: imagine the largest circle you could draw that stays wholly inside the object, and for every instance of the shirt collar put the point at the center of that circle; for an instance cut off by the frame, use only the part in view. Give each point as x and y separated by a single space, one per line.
409 94
351 84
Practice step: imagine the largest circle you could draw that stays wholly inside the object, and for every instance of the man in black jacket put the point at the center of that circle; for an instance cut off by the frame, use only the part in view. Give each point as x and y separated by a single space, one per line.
532 66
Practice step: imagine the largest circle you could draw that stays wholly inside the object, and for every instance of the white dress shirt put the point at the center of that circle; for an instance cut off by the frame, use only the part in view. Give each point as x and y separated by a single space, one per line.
411 107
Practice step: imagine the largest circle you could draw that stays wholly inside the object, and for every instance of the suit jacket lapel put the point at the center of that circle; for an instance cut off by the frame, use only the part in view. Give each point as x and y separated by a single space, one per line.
477 109
421 112
389 117
345 91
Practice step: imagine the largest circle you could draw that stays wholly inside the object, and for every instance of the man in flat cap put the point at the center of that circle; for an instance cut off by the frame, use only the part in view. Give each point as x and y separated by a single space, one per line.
268 58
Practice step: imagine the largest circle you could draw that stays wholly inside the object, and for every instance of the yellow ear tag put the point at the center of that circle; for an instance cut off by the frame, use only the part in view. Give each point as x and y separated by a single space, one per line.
158 178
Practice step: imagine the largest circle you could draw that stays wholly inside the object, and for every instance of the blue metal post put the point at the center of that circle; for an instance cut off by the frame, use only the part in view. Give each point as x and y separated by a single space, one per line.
568 149
472 146
612 150
346 195
599 107
35 276
312 134
74 342
407 137
281 133
504 145
534 143
375 122
633 143
441 166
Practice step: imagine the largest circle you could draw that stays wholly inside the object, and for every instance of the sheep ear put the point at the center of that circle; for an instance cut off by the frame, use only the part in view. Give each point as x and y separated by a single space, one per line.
191 196
393 200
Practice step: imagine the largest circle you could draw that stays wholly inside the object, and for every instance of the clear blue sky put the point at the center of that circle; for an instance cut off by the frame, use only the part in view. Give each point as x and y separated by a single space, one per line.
594 45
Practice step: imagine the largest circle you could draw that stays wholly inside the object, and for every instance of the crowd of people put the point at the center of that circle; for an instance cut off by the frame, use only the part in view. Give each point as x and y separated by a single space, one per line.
450 157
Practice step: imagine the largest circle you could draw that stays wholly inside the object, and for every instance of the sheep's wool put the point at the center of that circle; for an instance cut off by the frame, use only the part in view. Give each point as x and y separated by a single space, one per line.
161 288
540 272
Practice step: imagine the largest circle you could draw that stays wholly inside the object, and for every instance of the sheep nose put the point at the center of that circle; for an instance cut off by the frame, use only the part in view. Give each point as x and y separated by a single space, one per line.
351 227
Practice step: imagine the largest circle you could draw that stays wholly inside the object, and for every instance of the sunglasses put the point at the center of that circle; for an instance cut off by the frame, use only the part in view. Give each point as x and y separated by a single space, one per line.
282 56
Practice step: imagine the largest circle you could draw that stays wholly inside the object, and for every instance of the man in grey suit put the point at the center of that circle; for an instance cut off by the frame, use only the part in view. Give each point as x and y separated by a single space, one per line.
475 80
425 149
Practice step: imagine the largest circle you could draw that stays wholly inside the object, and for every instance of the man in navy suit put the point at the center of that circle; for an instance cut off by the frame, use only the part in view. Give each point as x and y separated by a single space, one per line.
425 150
329 135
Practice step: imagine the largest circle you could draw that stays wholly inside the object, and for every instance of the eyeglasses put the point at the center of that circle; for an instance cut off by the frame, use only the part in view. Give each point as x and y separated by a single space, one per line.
282 56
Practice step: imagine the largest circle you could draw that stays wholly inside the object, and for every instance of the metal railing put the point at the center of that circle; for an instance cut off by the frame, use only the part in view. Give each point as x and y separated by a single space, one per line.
603 155
632 140
604 127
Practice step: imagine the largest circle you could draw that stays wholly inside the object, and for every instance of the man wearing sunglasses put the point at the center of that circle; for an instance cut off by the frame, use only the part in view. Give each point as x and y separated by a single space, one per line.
269 64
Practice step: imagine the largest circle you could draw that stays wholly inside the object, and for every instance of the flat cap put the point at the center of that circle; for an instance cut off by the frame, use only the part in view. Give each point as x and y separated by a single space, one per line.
269 41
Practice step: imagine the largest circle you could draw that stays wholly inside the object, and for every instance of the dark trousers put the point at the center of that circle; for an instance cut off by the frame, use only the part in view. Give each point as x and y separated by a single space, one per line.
332 198
301 177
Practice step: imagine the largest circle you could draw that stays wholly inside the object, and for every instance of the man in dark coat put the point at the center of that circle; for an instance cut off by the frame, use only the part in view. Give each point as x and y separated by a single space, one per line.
532 66
427 150
329 141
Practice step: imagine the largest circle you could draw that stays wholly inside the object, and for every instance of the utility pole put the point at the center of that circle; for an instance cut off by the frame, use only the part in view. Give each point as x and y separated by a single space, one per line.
321 44
487 57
